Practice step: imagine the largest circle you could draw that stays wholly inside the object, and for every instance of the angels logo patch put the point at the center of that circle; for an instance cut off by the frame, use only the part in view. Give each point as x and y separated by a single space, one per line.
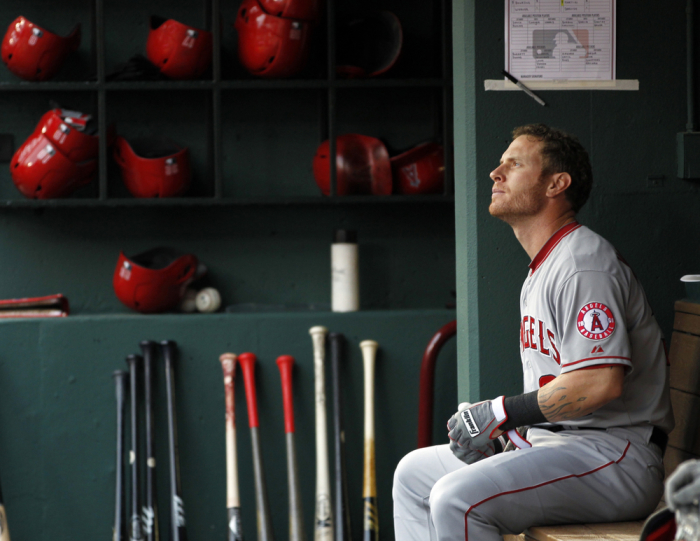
595 321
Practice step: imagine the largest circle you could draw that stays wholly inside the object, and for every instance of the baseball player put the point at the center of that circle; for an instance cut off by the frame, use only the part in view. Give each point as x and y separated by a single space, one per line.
590 428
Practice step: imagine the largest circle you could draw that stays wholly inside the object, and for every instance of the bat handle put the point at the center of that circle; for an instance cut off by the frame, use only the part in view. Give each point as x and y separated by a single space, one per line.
285 363
178 531
150 510
343 530
247 362
318 338
233 504
121 379
371 518
136 533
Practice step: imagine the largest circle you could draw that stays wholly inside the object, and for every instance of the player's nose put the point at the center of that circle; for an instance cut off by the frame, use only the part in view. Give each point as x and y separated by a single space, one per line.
497 174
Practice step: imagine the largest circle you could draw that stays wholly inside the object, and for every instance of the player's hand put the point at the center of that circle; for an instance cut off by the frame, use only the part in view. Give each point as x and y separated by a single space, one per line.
468 455
683 486
474 426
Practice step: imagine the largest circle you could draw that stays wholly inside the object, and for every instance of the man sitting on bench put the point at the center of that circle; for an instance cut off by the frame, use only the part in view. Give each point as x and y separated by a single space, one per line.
595 410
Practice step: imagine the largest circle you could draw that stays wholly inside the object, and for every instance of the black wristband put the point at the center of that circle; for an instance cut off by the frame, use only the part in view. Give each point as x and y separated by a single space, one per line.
522 410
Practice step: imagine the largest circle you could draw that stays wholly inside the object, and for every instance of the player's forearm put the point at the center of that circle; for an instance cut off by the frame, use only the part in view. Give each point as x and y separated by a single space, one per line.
576 394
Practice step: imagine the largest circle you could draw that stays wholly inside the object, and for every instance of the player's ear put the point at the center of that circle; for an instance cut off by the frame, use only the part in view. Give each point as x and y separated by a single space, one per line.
558 184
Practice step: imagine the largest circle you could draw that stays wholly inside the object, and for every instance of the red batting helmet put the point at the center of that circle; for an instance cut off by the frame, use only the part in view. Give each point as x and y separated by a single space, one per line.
305 10
153 281
270 46
153 167
362 165
370 45
41 171
420 170
66 130
33 53
177 50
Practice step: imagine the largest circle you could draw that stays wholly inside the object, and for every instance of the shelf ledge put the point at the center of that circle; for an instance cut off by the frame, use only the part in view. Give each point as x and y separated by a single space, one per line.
617 84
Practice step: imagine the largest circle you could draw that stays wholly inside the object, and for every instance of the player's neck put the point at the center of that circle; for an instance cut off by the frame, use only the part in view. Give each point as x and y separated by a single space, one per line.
536 231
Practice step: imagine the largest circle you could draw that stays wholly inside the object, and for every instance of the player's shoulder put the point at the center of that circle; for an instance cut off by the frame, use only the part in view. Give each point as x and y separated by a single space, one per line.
586 250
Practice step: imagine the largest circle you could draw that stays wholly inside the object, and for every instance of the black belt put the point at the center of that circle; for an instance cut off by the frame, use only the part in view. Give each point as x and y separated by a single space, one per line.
658 436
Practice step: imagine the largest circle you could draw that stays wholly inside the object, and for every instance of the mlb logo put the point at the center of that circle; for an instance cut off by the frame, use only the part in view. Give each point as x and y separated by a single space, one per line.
190 38
171 167
125 271
46 153
36 34
412 173
61 133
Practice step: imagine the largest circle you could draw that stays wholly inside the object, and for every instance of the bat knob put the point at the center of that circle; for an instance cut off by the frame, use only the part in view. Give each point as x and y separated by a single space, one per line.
318 329
284 360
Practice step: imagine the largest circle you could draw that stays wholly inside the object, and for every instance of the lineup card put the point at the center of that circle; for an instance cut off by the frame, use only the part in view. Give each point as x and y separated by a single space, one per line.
560 39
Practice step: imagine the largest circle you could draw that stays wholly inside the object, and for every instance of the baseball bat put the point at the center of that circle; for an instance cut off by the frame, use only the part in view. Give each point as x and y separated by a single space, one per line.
4 530
369 480
343 531
121 379
150 510
323 515
262 506
296 517
135 530
178 530
233 500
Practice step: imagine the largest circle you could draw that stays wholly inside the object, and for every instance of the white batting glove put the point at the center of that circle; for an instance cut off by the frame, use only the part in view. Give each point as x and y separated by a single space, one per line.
683 486
474 426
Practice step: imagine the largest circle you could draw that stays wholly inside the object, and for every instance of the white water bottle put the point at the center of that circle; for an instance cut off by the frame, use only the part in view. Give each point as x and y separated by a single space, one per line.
345 275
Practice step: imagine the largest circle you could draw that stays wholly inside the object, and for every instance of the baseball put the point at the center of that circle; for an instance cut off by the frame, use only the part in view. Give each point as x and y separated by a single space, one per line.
208 300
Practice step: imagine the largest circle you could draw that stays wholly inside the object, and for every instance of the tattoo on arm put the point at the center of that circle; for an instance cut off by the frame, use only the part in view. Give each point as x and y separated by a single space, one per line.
554 408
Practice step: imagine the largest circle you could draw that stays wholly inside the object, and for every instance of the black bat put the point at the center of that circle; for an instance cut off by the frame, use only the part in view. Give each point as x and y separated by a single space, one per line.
135 530
178 531
121 379
342 511
150 509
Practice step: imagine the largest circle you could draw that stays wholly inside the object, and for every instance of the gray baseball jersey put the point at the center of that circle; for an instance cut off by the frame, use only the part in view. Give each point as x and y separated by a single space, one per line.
582 307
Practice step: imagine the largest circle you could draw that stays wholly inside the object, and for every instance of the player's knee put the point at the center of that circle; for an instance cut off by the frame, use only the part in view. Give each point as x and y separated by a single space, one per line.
441 497
449 499
406 471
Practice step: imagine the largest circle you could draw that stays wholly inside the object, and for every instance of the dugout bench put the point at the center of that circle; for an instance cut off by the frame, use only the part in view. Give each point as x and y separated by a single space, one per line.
683 443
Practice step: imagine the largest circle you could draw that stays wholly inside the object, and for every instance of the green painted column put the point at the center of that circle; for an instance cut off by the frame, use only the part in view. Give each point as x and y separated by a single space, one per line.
464 77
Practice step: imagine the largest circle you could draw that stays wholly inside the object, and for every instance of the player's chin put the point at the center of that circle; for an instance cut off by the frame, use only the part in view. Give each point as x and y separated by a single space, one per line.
496 210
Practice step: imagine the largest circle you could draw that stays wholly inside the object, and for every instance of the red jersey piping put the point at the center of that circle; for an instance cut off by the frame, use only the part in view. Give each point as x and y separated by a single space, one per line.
466 515
595 359
552 243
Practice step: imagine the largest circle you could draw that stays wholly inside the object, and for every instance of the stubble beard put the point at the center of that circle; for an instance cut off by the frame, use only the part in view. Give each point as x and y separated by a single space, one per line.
520 207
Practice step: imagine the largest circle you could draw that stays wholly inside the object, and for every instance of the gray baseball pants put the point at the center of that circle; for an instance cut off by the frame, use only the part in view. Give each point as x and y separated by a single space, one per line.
572 476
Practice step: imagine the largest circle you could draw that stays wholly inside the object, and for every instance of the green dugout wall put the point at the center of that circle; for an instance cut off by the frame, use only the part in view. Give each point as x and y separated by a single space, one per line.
637 202
256 218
